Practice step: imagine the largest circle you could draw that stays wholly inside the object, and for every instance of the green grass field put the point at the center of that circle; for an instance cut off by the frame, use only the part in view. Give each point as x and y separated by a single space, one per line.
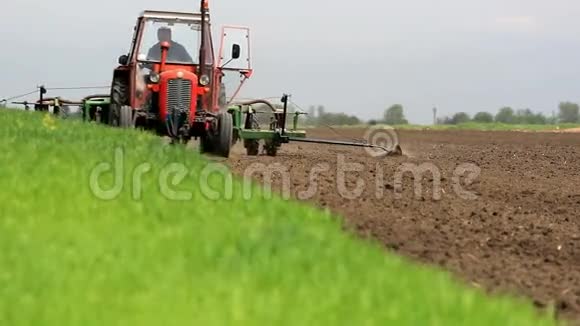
69 258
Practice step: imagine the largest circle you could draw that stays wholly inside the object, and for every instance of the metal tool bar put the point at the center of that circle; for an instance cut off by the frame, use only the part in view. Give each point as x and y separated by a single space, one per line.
340 143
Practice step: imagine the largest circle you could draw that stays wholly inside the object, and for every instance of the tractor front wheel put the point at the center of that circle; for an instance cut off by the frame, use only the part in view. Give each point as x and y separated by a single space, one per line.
224 139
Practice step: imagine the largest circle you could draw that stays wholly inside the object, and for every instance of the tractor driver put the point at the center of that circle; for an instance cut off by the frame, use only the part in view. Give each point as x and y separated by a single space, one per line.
176 53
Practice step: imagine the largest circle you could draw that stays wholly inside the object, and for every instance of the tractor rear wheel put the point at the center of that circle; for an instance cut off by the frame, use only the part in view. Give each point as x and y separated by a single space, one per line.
118 100
224 139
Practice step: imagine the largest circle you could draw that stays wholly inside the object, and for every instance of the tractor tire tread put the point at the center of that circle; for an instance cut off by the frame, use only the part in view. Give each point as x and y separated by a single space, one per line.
118 101
224 139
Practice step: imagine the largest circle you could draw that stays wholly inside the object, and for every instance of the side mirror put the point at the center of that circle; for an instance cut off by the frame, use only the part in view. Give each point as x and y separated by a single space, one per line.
236 51
123 60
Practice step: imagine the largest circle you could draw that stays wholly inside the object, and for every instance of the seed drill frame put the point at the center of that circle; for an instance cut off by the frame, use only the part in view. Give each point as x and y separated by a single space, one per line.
247 129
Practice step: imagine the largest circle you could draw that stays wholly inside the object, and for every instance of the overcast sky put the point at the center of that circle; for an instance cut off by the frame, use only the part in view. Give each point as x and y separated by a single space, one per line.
356 56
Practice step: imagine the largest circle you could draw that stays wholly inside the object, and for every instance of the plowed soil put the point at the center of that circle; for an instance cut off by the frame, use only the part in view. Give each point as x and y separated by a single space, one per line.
519 235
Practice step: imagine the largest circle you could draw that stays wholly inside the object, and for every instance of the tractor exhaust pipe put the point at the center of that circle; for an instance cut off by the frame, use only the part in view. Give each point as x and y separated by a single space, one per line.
164 51
204 9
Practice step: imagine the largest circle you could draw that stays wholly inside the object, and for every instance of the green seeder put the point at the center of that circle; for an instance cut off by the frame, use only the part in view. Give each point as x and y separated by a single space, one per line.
247 128
96 108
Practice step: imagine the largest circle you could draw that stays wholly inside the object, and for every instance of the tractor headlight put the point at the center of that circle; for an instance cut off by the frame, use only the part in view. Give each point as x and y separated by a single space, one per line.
154 77
204 80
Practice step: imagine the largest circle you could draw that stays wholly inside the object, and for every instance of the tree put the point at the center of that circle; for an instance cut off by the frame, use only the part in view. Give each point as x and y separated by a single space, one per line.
505 115
540 119
526 116
483 117
317 116
553 119
569 112
338 119
395 115
523 116
460 117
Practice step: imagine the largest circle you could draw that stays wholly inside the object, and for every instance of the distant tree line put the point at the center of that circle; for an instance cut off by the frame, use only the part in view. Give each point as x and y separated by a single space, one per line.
317 116
568 112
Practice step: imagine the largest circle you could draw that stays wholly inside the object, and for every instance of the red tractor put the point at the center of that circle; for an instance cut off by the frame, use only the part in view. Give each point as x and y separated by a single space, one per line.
170 81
